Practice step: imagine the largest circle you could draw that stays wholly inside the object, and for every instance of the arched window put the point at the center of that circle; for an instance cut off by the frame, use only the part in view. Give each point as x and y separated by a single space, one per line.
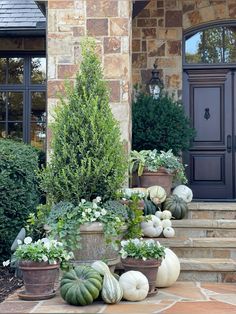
212 45
23 98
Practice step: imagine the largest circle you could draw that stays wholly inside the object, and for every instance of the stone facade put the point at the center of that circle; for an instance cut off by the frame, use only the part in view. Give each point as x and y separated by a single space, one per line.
158 32
109 22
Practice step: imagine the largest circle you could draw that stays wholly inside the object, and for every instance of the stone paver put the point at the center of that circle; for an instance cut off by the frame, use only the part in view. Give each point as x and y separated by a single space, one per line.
182 297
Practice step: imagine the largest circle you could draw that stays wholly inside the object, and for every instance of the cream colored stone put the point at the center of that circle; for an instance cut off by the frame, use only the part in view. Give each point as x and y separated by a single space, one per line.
208 264
207 14
169 34
125 44
116 66
51 70
124 8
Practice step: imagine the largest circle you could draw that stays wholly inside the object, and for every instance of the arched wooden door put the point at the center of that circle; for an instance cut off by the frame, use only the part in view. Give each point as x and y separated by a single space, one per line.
209 99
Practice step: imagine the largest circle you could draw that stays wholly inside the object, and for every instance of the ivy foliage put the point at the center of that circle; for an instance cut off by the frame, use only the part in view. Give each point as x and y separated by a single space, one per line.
88 157
19 191
160 124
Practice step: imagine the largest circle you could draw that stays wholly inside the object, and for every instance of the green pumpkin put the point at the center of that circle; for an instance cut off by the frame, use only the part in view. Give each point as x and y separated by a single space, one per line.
81 285
149 207
177 206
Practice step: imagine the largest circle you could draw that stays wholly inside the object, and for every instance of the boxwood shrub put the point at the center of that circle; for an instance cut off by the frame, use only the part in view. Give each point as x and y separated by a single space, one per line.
19 192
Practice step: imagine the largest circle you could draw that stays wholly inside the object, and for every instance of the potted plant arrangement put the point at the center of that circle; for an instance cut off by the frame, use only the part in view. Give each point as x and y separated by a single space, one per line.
88 158
155 168
39 263
144 256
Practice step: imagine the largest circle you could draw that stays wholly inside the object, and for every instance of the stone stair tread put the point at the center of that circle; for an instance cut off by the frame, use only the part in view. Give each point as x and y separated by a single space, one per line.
205 223
207 264
198 242
212 206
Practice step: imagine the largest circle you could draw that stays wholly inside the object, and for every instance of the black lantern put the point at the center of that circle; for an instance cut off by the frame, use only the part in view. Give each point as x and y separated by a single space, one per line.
155 84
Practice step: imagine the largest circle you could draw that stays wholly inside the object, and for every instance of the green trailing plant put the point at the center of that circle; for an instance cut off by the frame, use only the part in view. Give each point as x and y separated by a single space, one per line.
160 124
88 157
19 190
37 222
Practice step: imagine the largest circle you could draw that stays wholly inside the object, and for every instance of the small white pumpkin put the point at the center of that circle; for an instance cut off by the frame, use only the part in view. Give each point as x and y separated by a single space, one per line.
134 285
156 194
168 232
166 214
158 213
166 223
152 227
183 192
169 270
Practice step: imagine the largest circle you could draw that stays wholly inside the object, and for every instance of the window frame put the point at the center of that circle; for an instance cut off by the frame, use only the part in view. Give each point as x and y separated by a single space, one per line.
190 32
26 88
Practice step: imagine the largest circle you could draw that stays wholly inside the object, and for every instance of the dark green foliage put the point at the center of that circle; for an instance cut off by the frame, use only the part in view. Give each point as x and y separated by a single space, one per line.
88 158
19 193
119 209
160 124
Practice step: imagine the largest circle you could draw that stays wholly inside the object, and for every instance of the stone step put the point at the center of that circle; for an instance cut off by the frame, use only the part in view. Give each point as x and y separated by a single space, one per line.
212 210
208 269
201 247
203 228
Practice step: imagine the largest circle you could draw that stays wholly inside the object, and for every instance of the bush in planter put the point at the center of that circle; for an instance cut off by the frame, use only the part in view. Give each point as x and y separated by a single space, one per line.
160 124
88 156
19 191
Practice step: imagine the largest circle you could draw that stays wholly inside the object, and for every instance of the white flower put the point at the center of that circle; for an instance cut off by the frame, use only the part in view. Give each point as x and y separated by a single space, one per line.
150 241
103 212
135 241
83 215
6 263
123 253
144 258
28 240
19 242
44 258
93 219
98 199
95 206
97 214
123 243
83 201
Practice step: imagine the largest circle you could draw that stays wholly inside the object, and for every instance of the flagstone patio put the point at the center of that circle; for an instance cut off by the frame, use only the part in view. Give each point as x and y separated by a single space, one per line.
181 298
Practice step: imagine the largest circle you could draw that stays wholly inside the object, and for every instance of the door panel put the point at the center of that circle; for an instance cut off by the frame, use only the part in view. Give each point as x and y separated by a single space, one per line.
208 102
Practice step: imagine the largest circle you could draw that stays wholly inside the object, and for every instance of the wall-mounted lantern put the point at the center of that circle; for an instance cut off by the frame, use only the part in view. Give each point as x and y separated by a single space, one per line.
155 84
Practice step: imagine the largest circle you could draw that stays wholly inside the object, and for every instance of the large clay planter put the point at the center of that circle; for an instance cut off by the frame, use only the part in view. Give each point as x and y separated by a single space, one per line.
39 280
161 178
149 268
94 246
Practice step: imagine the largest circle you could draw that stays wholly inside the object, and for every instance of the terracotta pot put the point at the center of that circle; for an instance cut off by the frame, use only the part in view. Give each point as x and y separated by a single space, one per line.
94 246
39 280
161 178
149 268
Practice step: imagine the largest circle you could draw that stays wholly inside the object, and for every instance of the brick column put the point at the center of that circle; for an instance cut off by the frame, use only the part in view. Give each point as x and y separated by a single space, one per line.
109 22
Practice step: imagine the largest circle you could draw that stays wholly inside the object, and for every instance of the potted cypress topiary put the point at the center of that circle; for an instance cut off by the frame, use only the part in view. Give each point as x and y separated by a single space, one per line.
88 159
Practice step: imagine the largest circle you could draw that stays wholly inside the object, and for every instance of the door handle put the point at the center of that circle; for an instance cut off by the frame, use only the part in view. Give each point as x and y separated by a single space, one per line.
229 143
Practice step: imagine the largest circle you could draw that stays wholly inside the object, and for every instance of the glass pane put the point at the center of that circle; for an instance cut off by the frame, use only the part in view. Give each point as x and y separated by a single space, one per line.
38 70
15 70
38 135
3 70
15 106
3 98
2 130
230 44
15 130
38 107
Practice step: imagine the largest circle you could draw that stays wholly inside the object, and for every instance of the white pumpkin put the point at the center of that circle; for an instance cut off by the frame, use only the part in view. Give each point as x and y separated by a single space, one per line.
169 270
183 192
166 223
158 213
156 194
134 285
168 232
152 227
166 214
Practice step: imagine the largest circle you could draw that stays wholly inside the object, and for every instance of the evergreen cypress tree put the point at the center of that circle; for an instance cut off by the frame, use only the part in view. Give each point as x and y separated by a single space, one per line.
88 157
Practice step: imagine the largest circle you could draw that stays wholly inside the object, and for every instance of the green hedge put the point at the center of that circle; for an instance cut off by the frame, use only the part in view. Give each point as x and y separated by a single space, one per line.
19 192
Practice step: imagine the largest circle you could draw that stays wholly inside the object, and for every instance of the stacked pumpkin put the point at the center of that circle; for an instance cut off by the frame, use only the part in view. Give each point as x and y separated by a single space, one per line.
83 284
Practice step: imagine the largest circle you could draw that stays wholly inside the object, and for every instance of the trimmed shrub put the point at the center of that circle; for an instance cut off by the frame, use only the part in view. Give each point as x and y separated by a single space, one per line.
160 124
19 192
88 157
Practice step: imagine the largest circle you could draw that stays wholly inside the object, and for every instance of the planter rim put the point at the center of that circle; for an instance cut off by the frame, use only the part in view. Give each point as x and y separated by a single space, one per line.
160 171
135 261
27 264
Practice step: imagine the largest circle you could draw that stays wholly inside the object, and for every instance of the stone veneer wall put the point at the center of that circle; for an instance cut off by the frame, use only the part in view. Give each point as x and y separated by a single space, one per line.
109 21
157 35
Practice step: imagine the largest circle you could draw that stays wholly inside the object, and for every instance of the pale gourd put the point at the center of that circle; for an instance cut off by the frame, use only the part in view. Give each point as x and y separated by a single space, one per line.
135 285
166 214
183 192
166 223
169 270
152 227
111 290
168 232
158 213
156 194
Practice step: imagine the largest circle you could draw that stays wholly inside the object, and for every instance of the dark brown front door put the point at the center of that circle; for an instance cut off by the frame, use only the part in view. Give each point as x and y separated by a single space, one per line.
209 102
